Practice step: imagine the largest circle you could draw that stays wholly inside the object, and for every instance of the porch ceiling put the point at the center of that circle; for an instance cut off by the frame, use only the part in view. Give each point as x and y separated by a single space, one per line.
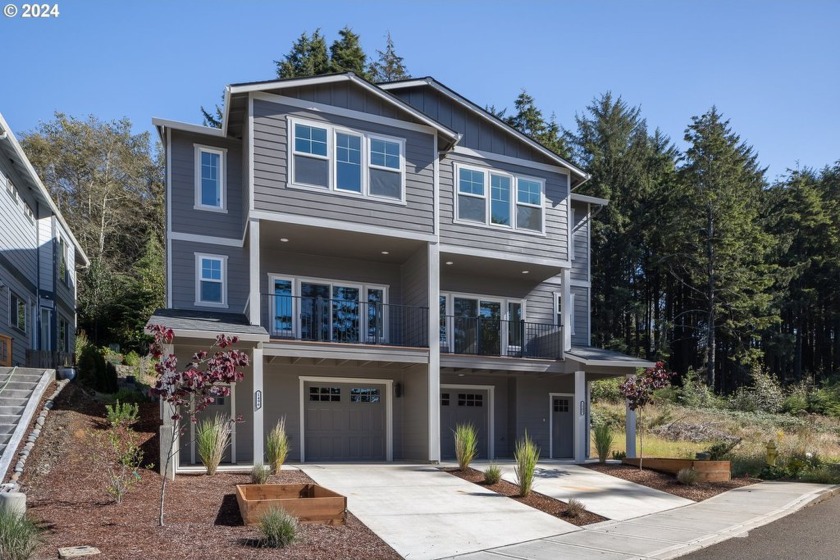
307 353
336 242
473 364
501 268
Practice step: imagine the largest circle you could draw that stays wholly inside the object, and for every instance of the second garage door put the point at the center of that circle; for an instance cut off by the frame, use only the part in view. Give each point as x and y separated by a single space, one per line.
344 421
463 406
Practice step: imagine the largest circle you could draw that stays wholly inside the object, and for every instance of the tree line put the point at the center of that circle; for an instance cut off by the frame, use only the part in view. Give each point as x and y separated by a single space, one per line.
698 259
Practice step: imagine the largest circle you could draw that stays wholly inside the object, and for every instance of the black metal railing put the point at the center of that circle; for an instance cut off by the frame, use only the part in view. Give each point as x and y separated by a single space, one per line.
484 336
346 321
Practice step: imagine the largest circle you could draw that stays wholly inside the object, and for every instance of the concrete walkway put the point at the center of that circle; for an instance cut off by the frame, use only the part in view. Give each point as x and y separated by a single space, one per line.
608 496
424 513
672 533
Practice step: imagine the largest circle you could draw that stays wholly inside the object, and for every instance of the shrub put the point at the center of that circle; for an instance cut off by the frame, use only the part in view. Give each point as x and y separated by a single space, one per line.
575 508
603 441
118 457
609 416
132 359
127 395
492 474
687 476
526 455
695 393
606 390
721 449
823 474
466 445
278 527
619 455
18 536
122 414
259 474
277 446
765 394
211 439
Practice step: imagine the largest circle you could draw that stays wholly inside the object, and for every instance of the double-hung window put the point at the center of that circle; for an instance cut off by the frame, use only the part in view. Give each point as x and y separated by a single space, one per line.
211 280
209 178
63 273
347 161
17 312
499 199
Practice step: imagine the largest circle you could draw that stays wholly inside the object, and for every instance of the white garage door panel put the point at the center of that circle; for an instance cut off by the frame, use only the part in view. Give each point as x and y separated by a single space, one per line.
344 421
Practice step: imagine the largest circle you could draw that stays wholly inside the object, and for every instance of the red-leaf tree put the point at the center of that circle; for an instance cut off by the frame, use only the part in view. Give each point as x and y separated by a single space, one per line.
639 392
189 391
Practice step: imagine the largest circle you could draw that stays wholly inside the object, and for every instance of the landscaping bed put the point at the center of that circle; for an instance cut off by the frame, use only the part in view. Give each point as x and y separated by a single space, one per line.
66 497
551 506
668 483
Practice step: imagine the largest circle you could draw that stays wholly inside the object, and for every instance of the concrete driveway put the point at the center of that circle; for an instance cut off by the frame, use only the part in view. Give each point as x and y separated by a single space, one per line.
424 513
608 496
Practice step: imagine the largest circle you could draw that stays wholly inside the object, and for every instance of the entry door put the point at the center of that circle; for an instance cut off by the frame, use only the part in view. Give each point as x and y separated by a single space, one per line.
562 427
344 421
477 326
463 406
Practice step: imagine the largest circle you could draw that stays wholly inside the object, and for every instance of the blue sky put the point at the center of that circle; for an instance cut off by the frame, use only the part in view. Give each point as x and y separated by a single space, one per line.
771 67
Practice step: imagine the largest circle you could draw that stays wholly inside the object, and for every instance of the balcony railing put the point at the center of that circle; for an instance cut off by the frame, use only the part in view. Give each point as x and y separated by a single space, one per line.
347 321
496 337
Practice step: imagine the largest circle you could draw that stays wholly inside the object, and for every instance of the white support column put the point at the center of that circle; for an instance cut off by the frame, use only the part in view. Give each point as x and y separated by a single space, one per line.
434 352
587 437
567 309
254 299
630 431
580 424
257 402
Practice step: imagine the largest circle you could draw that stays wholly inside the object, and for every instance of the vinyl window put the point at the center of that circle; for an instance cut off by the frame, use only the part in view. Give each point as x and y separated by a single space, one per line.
17 312
500 200
209 178
211 280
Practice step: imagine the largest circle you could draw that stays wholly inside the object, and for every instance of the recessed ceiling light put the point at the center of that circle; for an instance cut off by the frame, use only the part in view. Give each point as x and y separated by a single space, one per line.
449 262
284 240
525 271
385 253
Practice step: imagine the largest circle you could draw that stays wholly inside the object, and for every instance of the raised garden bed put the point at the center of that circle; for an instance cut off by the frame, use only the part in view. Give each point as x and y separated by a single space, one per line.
707 471
310 503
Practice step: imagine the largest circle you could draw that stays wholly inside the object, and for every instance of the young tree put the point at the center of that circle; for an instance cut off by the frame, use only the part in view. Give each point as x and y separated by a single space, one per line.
389 66
346 54
187 392
639 389
308 57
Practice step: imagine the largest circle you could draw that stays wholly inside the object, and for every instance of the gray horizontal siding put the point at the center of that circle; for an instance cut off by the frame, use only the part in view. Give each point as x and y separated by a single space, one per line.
18 236
580 237
532 407
552 246
183 275
272 194
46 253
65 291
185 218
478 132
580 337
21 341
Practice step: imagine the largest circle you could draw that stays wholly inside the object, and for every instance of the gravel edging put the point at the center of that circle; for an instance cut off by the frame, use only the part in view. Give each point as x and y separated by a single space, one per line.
13 484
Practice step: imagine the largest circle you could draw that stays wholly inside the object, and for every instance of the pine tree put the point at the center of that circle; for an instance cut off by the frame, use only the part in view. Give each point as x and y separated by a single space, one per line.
389 66
529 120
346 54
308 57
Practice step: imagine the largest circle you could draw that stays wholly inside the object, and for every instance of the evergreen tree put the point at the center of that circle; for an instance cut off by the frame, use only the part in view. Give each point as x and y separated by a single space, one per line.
723 248
213 118
346 54
529 120
389 66
308 57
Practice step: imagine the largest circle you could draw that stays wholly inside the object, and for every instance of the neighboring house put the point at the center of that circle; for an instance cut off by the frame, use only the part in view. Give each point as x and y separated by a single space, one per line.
38 261
397 260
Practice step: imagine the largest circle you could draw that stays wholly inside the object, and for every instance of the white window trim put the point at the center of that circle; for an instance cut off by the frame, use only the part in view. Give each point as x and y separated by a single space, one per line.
14 324
487 197
222 153
505 304
332 176
198 280
362 169
557 297
572 233
296 281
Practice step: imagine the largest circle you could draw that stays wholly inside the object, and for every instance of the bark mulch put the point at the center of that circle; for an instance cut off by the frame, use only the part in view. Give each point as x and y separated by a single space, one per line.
67 498
668 483
536 500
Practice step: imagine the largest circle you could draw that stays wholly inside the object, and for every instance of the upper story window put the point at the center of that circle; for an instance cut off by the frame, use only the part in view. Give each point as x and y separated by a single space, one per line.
211 280
17 312
63 273
558 310
487 197
347 161
63 334
209 178
30 214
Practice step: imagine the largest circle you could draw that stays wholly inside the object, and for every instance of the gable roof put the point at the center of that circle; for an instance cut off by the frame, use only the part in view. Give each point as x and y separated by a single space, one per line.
9 142
428 81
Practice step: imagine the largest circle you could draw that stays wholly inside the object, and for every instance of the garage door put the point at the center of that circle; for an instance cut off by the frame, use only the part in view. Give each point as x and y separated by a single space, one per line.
344 421
462 406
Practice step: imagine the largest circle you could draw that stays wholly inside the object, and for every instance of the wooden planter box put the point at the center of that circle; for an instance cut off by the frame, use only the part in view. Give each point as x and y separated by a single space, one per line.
308 502
708 471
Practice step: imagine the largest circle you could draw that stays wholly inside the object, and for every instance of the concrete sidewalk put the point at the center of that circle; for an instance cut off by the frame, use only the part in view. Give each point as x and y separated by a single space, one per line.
671 533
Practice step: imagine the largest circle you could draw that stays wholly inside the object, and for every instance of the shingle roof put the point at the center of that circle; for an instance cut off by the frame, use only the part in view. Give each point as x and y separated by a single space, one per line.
206 321
592 356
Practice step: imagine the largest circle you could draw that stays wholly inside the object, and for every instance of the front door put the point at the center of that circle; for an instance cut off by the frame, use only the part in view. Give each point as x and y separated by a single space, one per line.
562 427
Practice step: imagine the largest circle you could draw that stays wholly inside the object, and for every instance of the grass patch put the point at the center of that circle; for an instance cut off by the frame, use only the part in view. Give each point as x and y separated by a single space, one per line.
492 474
18 536
278 527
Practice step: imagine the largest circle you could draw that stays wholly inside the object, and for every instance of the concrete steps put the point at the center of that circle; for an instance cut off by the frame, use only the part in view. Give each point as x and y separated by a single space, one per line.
20 391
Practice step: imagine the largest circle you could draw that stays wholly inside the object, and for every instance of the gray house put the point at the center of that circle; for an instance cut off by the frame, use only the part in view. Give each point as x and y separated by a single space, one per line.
396 259
38 261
